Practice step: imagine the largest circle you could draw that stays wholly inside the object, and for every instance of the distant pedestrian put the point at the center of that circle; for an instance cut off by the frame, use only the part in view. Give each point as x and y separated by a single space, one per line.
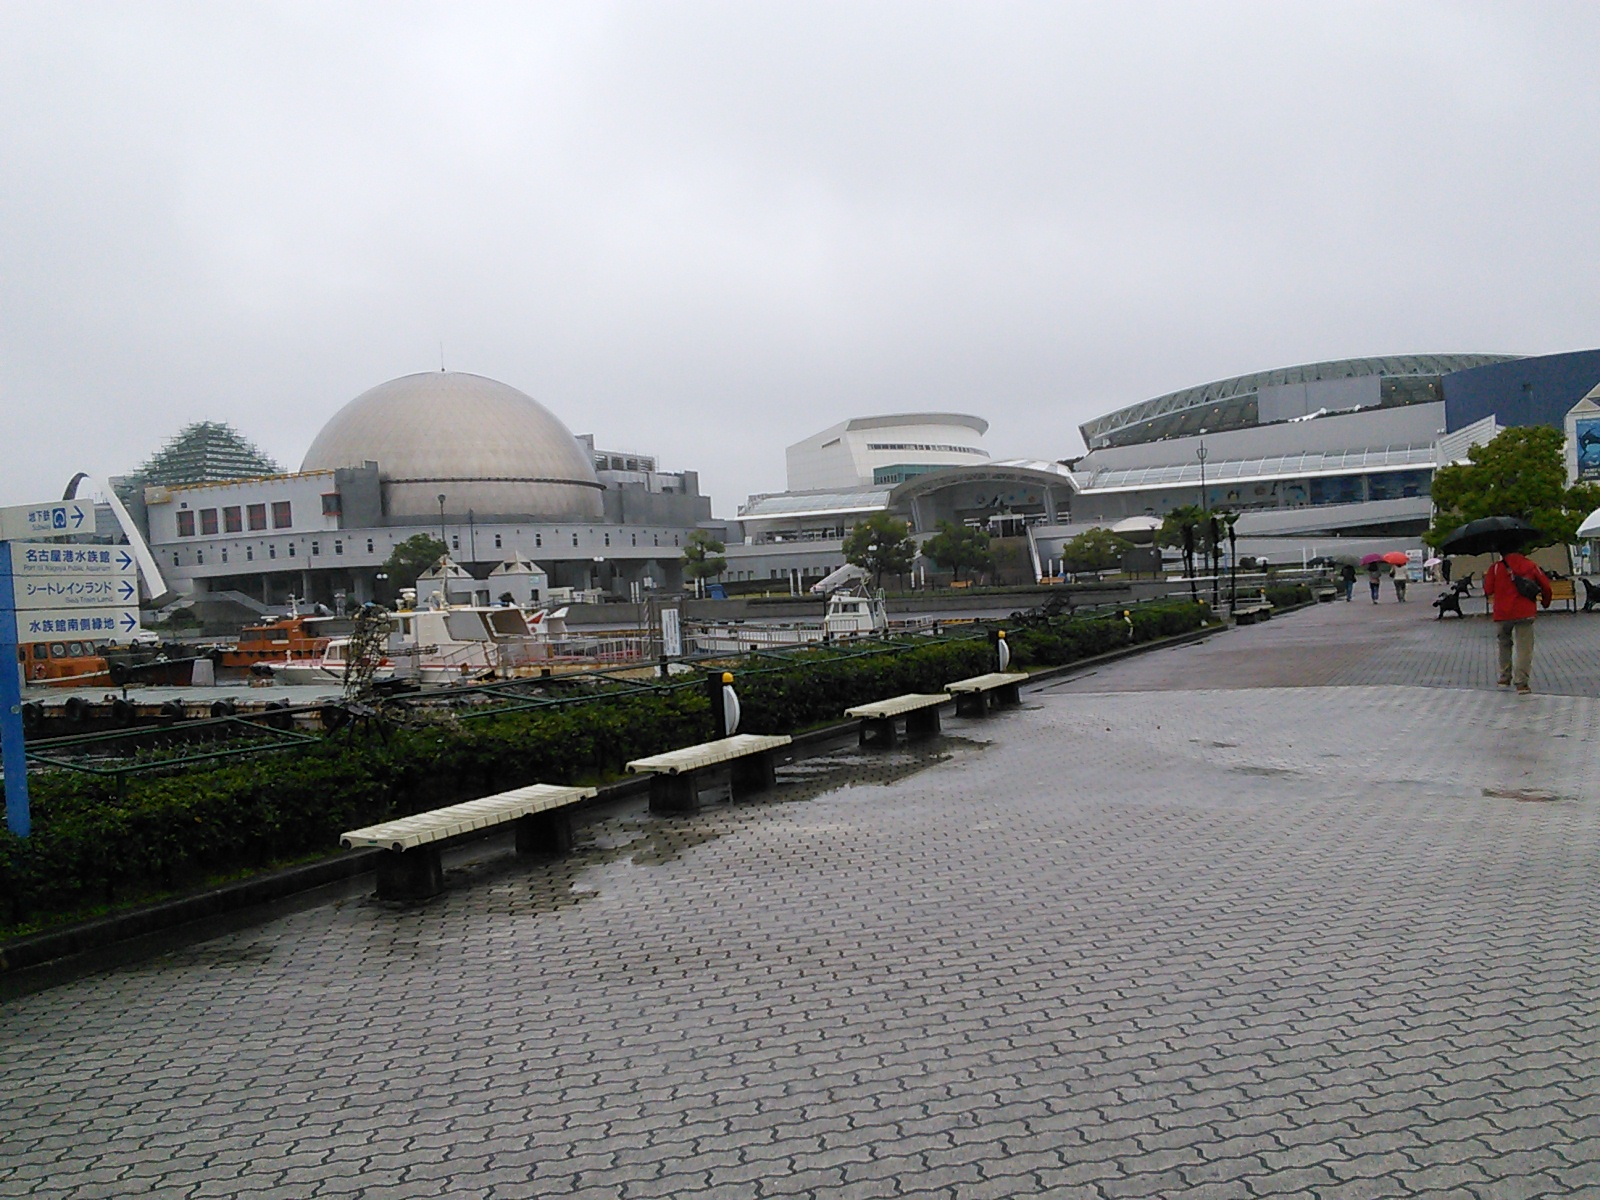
1517 587
1347 576
1400 584
1444 570
1373 579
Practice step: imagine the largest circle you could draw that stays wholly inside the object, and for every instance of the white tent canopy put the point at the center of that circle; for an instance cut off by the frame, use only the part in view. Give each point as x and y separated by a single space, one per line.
1591 525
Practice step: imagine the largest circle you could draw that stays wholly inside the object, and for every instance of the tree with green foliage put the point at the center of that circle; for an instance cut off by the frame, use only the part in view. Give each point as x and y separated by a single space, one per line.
1171 531
880 544
1520 473
406 563
956 548
1096 549
702 557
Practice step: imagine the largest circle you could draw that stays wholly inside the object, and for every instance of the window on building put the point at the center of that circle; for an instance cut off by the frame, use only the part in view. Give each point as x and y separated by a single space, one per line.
655 539
574 539
455 541
233 520
224 554
608 539
332 504
208 520
291 549
174 560
538 539
338 547
199 558
185 523
316 549
369 545
272 551
282 514
249 554
497 541
636 539
674 539
257 515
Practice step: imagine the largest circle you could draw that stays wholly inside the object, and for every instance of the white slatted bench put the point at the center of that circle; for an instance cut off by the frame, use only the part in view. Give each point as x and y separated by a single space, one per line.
409 868
684 780
921 711
974 696
1249 614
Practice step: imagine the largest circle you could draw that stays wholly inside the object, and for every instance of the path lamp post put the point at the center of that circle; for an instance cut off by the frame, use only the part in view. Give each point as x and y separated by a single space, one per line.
1233 569
1205 508
443 541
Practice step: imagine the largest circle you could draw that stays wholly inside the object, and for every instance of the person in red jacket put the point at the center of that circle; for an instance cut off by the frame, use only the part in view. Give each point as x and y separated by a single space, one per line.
1513 615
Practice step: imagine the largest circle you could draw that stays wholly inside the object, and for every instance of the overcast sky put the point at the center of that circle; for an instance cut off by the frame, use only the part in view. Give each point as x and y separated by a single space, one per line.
708 230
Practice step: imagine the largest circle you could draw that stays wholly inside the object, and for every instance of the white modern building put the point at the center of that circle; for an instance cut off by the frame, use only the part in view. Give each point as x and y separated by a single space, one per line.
883 451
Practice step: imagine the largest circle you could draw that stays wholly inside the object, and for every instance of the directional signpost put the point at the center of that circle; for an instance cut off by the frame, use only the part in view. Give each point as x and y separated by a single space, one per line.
51 590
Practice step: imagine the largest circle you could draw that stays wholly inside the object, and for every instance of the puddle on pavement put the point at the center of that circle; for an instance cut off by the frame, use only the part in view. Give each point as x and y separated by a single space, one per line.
213 955
607 851
1268 772
1527 795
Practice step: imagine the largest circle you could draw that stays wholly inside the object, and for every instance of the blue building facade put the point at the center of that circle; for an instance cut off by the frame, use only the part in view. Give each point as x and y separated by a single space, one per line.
1524 391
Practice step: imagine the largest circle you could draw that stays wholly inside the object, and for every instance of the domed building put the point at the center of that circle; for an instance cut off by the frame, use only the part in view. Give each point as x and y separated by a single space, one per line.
484 446
473 462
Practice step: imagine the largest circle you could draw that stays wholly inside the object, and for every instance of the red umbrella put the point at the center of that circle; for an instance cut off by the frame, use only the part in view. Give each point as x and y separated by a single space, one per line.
1397 558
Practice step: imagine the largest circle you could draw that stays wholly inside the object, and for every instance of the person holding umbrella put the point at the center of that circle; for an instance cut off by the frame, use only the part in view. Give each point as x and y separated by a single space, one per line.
1401 563
1515 586
1375 564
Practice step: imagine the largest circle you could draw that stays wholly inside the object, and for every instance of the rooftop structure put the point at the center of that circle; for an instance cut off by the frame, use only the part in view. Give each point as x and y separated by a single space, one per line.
483 445
1281 394
205 452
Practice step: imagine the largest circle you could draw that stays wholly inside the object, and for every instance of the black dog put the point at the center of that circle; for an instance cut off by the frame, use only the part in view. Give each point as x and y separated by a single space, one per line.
1451 601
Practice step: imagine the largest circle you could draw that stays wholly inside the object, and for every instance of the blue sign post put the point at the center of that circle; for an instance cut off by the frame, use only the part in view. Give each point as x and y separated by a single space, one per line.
13 750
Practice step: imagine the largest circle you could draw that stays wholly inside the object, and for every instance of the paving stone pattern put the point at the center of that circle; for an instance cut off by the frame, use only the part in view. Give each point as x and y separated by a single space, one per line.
1341 645
1245 942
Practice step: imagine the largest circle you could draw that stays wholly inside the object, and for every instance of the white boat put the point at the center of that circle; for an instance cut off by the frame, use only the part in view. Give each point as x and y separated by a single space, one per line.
329 666
849 614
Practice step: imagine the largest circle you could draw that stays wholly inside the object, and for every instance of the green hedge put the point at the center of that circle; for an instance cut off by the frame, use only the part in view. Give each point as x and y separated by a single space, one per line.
91 847
1287 595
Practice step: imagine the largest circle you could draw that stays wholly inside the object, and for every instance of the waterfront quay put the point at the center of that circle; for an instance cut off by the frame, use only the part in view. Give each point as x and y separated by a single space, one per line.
1305 909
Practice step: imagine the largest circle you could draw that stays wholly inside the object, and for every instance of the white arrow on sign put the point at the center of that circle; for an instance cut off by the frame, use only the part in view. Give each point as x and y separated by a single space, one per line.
56 519
68 591
51 625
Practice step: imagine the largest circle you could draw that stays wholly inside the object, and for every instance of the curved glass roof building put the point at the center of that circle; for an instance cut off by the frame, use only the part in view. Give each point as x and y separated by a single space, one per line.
1284 393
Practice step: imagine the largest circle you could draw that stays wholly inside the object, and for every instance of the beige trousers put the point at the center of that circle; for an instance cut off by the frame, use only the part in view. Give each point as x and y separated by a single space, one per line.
1516 650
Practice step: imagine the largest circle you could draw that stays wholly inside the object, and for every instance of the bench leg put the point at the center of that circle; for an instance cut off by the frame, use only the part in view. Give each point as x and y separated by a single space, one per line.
673 794
922 722
546 833
691 791
972 704
1007 696
877 731
754 773
410 874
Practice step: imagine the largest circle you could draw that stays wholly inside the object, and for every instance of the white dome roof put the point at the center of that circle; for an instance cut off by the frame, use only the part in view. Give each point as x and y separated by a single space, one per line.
483 445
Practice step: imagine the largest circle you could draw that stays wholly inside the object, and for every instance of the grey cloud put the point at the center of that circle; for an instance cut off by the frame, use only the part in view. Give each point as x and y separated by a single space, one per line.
707 230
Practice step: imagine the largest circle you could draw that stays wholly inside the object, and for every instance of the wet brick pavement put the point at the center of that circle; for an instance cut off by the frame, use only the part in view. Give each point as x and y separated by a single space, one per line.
1225 941
1341 645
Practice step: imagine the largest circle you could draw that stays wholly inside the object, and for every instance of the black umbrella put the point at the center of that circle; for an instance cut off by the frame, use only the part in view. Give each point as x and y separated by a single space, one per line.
1489 535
